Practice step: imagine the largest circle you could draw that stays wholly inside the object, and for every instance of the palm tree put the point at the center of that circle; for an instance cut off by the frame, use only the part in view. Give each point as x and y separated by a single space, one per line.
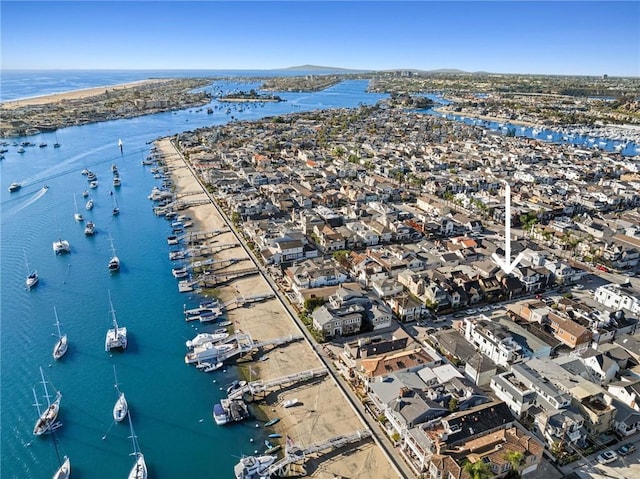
516 459
477 470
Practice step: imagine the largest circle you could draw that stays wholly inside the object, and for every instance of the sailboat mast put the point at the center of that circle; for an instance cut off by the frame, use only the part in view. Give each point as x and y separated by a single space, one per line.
46 391
36 404
113 314
57 322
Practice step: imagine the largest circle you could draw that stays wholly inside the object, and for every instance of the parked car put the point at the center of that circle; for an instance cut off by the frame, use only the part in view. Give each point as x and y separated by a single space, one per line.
606 457
626 449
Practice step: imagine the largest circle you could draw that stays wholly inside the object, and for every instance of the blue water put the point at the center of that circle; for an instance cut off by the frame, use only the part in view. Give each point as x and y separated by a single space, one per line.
171 402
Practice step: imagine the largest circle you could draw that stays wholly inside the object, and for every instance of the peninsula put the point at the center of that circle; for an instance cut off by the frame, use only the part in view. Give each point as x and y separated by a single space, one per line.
251 95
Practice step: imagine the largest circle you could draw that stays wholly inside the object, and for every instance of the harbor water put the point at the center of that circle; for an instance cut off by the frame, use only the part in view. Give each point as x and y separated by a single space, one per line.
170 402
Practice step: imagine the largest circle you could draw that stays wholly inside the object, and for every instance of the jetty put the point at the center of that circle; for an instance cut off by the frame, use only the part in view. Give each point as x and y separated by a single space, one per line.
258 387
213 280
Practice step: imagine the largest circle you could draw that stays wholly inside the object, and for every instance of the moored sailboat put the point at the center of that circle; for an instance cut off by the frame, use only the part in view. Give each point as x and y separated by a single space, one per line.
32 275
121 407
114 262
64 471
61 346
139 469
77 216
46 421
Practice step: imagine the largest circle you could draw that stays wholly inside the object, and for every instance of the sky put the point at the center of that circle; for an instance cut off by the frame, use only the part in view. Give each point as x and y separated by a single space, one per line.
544 37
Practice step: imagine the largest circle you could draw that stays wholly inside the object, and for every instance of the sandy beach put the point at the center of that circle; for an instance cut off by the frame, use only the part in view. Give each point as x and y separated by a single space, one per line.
323 412
74 95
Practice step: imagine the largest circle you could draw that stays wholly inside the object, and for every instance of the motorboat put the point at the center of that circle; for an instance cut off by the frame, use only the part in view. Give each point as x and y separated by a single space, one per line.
213 367
61 247
271 422
181 272
61 346
116 181
90 229
46 421
89 205
117 336
64 471
253 466
13 187
208 352
85 193
93 184
220 415
204 338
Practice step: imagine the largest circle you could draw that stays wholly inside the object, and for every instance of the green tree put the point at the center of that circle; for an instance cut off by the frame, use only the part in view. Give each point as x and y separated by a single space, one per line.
477 470
453 405
516 459
310 304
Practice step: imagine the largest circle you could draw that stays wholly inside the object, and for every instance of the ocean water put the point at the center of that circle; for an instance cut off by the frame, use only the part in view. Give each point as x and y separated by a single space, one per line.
170 402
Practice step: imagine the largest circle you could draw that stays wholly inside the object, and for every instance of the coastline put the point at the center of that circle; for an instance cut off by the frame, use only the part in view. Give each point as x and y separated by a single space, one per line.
322 411
485 117
80 94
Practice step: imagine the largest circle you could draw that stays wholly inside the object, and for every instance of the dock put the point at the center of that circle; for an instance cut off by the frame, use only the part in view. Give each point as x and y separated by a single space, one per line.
261 387
297 455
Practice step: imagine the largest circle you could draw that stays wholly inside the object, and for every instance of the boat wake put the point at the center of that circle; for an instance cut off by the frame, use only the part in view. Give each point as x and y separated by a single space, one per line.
39 194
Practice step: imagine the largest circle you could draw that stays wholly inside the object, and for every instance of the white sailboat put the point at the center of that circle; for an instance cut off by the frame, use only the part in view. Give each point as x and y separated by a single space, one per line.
32 275
61 346
117 336
64 471
116 210
77 216
121 407
139 469
114 262
46 419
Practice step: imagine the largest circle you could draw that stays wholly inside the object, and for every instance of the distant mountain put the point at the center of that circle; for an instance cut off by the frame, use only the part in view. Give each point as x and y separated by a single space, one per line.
321 68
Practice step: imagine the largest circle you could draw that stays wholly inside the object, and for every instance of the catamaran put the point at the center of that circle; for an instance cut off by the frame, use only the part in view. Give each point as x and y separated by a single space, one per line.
116 337
121 407
46 419
61 346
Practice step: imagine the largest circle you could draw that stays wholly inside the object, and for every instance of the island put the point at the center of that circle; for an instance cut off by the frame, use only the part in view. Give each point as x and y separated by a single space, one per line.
251 95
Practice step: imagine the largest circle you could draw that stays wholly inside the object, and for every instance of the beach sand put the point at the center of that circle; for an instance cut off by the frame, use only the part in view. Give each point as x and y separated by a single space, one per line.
74 95
323 412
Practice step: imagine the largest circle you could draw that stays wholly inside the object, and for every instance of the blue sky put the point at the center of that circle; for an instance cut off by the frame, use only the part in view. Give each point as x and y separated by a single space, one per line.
584 38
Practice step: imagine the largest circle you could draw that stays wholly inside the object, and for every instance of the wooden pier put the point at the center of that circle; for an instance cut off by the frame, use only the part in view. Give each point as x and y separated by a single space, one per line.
261 387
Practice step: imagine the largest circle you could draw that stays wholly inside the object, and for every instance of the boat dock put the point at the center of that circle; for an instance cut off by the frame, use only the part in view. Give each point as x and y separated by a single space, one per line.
295 455
240 301
213 280
261 387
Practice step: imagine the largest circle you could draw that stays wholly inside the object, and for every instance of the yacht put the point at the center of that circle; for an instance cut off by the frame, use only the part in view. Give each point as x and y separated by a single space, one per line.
208 352
253 466
46 419
204 338
14 187
64 471
61 346
220 415
90 229
117 336
61 247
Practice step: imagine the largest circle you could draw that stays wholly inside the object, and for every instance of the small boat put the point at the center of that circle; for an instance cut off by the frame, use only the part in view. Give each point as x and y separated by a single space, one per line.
46 419
116 181
271 422
77 216
213 367
89 205
91 176
93 184
117 336
121 407
61 346
85 172
139 469
172 239
85 193
274 436
90 229
61 246
180 272
290 402
56 145
13 187
116 210
20 150
273 449
42 145
203 338
114 168
64 471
